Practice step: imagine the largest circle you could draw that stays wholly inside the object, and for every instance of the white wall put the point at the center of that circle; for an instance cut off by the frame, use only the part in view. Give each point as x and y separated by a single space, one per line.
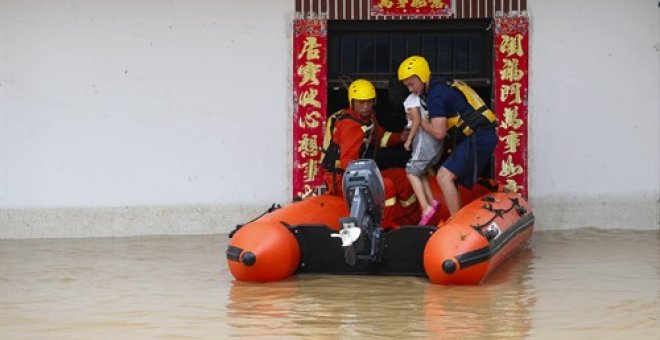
142 104
594 113
147 116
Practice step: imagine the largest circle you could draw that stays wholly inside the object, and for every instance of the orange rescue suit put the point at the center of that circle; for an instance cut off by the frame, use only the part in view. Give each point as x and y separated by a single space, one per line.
354 136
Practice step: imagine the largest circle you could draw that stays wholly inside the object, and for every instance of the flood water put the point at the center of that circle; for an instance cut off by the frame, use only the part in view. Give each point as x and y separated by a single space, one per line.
578 284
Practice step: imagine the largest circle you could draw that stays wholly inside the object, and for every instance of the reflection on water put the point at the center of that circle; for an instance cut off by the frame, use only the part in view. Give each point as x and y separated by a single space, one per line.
370 306
585 283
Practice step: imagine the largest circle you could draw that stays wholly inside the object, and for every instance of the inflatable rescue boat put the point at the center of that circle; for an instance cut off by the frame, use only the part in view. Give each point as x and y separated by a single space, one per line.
342 235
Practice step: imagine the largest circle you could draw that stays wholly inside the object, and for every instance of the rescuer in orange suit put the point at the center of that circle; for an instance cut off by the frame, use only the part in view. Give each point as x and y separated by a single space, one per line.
354 133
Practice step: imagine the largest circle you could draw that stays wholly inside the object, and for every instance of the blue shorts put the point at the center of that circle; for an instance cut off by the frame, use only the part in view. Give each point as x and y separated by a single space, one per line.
461 160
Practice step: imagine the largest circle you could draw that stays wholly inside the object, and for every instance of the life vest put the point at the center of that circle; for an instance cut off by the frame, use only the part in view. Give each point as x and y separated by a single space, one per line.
477 117
330 157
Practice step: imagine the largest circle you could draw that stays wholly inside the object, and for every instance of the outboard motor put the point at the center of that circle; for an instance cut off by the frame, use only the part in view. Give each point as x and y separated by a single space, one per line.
361 233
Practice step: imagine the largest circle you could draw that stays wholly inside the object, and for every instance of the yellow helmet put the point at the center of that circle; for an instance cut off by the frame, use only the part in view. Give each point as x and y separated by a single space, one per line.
415 66
361 89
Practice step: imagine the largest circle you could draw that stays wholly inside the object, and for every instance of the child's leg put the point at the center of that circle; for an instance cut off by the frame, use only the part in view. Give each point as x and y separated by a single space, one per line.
418 188
428 193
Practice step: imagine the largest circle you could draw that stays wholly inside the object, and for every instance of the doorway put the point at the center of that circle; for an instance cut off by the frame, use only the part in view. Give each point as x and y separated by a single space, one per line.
461 49
374 49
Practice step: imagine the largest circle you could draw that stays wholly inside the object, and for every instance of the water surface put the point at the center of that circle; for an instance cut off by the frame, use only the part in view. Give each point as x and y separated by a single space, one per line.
577 284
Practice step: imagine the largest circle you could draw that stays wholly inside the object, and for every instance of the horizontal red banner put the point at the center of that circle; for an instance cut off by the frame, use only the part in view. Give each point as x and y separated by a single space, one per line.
411 7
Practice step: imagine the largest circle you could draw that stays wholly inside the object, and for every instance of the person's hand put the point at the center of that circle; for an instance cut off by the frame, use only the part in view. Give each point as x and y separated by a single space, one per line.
404 135
406 145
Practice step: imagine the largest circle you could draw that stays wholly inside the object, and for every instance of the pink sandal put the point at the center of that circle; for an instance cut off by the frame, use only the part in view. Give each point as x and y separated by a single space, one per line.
426 217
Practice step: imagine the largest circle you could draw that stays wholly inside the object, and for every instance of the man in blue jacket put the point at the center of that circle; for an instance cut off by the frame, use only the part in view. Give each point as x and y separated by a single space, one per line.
455 110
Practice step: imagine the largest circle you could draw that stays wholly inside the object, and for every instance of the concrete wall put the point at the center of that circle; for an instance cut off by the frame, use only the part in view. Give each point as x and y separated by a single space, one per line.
142 116
594 113
149 117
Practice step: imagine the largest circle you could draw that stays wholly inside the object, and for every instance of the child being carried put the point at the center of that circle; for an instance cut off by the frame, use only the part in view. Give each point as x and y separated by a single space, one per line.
426 152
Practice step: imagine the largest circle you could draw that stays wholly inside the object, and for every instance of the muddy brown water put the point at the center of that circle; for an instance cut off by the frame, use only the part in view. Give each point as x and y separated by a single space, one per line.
575 284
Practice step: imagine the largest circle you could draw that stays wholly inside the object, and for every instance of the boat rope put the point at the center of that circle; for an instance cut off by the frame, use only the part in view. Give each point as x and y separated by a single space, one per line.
272 208
515 204
481 255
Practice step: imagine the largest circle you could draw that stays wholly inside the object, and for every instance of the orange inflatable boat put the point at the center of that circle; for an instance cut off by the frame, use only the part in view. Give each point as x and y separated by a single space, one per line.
342 235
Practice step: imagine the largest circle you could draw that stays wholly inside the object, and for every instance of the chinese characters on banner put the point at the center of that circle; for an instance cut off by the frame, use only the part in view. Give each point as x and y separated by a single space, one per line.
411 7
510 85
309 92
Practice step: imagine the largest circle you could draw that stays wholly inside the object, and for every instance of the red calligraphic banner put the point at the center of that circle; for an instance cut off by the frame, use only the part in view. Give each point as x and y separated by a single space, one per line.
411 7
511 101
310 103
